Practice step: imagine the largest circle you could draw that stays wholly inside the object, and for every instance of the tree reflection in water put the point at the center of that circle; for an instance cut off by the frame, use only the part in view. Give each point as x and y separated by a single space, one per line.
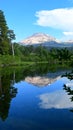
8 76
69 75
68 88
7 93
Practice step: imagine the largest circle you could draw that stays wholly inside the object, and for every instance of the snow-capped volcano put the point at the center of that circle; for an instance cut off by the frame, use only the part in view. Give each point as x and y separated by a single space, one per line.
45 40
38 38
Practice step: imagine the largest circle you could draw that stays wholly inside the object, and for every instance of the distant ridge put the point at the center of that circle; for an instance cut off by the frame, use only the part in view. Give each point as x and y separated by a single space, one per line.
38 38
45 40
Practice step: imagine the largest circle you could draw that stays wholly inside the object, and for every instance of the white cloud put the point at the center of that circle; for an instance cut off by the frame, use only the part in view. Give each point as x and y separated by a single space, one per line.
68 33
58 18
67 36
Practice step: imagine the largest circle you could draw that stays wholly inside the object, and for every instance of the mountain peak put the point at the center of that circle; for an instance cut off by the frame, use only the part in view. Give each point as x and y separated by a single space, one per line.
40 34
38 38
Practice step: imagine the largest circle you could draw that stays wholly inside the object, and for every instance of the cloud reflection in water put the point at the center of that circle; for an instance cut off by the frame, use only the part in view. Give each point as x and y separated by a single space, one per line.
58 99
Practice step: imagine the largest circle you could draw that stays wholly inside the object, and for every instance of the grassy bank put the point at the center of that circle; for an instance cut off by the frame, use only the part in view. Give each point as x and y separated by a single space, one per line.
8 60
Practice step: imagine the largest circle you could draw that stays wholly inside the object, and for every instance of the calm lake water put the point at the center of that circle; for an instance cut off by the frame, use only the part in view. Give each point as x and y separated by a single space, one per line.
36 98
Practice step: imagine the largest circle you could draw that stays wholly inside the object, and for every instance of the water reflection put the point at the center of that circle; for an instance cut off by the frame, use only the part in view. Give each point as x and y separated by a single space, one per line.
37 75
41 81
68 87
7 93
69 75
45 79
56 98
69 91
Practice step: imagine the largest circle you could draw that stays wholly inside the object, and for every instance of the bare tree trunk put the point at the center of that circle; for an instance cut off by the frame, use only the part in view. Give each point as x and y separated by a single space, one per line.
13 76
0 85
12 49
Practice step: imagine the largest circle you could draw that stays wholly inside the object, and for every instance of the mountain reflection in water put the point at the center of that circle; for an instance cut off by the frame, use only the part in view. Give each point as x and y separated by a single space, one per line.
44 80
41 81
23 106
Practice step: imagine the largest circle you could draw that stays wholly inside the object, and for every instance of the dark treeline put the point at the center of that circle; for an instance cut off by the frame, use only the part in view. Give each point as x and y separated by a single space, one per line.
42 54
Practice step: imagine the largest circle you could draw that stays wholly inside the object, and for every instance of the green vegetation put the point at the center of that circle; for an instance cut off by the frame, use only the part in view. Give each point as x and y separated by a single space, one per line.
6 36
40 54
12 54
30 55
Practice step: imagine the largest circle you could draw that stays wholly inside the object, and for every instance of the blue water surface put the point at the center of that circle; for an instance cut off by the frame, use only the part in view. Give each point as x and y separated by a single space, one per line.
39 108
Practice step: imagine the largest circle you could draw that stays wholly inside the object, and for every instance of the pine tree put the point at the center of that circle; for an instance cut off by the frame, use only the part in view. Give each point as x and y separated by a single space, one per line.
4 41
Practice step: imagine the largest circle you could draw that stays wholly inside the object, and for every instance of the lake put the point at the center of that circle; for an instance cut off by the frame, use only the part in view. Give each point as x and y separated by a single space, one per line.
36 98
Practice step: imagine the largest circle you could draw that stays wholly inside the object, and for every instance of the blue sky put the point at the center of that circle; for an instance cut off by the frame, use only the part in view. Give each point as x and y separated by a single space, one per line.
26 17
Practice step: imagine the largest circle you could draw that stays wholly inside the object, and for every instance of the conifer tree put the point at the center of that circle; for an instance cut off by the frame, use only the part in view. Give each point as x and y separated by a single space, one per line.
4 41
